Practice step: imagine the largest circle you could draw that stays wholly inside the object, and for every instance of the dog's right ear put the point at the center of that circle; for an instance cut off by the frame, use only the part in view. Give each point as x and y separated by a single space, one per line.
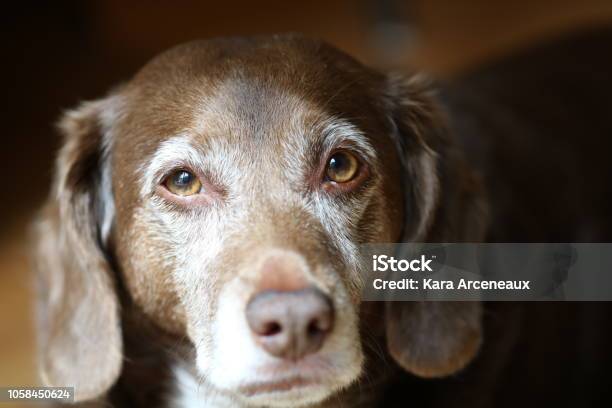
80 341
443 203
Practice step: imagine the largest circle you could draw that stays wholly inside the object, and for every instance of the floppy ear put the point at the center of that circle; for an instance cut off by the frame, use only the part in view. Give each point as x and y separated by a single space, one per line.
443 203
78 313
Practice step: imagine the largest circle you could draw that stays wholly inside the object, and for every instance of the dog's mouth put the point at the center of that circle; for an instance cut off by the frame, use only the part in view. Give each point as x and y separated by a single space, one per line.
278 386
288 377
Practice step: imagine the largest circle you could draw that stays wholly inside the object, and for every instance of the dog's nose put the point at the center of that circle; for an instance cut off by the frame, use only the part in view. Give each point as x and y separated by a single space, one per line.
290 324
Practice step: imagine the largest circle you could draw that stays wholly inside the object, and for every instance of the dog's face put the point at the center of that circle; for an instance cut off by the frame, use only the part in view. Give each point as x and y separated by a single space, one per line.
232 183
251 180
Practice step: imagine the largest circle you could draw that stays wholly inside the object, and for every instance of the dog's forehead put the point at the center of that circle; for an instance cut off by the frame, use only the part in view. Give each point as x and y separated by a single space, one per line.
254 92
291 62
250 74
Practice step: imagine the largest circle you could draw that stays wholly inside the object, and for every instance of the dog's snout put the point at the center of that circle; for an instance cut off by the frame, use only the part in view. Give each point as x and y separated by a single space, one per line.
290 324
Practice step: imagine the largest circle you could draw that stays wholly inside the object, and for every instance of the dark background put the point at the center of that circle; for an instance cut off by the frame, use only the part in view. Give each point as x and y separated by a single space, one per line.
55 54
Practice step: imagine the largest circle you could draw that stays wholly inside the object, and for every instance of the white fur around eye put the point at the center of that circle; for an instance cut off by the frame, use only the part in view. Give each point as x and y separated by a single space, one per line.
173 153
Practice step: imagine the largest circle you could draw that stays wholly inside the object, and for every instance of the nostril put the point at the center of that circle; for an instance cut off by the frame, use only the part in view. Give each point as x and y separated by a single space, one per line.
271 329
313 328
317 326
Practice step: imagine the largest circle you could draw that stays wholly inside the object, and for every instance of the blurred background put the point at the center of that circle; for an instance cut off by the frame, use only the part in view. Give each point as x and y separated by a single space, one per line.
56 54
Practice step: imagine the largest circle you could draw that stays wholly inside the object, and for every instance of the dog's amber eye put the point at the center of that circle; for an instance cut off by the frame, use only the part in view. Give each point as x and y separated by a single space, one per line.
183 183
342 167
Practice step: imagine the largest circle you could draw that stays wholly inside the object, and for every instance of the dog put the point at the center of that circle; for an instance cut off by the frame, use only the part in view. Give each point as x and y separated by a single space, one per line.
200 244
216 203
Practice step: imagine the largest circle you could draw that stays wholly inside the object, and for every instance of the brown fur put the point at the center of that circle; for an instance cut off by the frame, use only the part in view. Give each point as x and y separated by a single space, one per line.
92 284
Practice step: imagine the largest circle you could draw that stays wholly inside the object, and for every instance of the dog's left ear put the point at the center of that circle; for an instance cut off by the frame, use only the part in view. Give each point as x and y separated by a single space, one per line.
443 203
80 340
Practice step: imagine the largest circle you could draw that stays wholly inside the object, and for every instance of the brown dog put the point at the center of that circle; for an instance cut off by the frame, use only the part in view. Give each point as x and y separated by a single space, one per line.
204 226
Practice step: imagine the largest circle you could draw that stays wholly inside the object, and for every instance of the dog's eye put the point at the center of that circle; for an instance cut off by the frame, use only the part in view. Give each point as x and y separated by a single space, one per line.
183 183
342 167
